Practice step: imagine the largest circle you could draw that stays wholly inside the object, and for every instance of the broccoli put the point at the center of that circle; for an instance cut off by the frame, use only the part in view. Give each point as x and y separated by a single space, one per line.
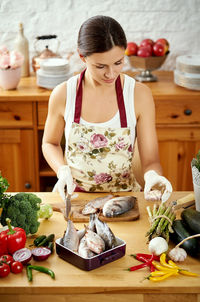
22 209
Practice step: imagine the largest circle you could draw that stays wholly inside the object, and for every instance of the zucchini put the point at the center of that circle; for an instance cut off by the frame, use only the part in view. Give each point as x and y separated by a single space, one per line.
180 233
191 218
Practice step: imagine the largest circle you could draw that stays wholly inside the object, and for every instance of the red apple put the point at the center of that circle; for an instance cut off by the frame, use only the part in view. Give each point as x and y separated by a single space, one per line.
131 49
150 48
158 49
164 42
144 52
146 42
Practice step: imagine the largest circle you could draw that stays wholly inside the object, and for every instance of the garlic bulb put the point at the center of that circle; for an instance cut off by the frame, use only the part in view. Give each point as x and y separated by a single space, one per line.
178 254
158 245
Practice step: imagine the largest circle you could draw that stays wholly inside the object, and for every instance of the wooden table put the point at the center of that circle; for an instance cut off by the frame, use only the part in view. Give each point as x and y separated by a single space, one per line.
107 283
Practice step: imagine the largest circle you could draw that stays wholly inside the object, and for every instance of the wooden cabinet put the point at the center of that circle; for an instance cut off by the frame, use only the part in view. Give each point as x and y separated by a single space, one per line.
17 159
17 145
178 129
177 146
23 114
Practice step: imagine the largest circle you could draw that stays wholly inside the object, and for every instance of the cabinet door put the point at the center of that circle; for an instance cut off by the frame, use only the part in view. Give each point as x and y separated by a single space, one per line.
177 147
17 159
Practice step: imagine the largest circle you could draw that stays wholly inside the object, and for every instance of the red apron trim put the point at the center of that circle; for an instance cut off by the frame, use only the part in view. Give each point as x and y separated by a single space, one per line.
78 103
120 101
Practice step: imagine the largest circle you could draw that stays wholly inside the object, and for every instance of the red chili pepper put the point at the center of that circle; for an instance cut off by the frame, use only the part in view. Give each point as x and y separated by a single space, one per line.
16 238
148 259
136 267
139 256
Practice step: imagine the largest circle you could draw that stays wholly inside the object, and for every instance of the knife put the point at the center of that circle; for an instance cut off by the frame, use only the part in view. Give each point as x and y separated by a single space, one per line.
68 205
184 202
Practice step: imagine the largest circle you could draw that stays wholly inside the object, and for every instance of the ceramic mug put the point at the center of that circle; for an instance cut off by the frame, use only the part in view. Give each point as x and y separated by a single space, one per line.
9 78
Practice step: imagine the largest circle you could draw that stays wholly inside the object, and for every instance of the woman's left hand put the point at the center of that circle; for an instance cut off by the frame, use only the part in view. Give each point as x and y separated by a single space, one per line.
155 184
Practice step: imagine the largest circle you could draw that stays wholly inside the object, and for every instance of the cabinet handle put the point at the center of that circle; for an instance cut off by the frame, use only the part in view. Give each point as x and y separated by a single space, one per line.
27 185
187 111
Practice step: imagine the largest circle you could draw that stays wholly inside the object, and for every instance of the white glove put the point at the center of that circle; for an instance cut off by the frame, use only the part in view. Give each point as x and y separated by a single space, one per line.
156 187
64 179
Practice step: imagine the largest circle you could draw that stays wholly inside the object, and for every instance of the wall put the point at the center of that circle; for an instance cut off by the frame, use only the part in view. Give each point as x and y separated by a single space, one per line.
176 20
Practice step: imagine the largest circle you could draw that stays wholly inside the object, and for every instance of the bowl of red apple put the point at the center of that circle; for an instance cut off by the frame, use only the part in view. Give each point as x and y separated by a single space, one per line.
149 55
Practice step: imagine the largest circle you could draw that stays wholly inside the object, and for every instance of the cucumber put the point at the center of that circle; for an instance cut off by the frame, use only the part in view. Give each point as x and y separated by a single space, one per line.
191 218
180 233
39 239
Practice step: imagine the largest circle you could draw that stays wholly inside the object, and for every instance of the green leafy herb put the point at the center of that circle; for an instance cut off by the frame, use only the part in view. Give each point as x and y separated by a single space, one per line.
3 184
196 161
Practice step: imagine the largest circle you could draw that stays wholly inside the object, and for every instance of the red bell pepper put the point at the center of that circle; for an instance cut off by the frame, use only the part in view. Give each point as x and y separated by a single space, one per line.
14 237
3 243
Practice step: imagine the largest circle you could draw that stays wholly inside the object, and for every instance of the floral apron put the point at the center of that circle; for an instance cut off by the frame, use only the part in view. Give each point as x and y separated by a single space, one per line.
101 158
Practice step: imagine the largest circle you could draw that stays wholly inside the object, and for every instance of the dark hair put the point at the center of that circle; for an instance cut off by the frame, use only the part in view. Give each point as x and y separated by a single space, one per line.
100 34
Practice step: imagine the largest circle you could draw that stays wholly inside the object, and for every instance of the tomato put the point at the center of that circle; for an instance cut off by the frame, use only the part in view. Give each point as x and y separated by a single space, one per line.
4 270
6 259
16 267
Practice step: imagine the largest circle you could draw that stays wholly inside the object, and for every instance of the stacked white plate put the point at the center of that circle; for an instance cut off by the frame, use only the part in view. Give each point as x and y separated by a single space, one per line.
52 72
187 72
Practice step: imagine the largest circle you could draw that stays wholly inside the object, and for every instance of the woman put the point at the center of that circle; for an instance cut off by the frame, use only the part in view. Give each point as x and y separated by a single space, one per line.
101 111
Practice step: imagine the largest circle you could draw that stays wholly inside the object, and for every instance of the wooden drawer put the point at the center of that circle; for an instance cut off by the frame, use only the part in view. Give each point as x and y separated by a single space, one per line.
16 114
177 111
42 113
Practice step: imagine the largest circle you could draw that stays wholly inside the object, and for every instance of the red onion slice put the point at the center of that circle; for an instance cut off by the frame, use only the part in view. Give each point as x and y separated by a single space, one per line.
41 253
23 255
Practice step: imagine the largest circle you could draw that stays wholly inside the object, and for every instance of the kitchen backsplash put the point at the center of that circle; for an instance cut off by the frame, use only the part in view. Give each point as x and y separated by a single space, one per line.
176 20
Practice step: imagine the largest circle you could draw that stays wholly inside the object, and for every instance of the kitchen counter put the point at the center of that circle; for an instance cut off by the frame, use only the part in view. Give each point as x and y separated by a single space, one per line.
29 91
110 282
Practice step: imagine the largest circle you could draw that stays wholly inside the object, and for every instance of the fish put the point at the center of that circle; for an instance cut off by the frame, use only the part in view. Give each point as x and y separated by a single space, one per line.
105 233
91 225
95 204
119 205
70 238
84 250
94 242
81 233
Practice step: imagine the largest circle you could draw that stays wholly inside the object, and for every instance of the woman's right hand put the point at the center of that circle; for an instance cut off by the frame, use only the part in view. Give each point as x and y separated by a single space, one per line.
65 179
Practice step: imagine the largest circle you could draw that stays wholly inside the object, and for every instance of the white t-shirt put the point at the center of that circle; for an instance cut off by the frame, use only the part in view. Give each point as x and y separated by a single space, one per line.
128 94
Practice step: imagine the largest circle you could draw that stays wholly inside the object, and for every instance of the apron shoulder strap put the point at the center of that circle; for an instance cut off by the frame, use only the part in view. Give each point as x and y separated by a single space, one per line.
120 101
78 102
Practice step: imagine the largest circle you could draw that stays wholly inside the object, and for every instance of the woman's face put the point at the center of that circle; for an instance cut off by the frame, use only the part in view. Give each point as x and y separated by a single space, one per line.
106 66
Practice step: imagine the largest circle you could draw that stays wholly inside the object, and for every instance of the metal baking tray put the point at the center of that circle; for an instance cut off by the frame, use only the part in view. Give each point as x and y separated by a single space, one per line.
88 264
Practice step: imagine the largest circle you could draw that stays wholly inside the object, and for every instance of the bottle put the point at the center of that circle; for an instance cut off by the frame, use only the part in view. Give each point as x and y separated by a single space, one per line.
21 45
